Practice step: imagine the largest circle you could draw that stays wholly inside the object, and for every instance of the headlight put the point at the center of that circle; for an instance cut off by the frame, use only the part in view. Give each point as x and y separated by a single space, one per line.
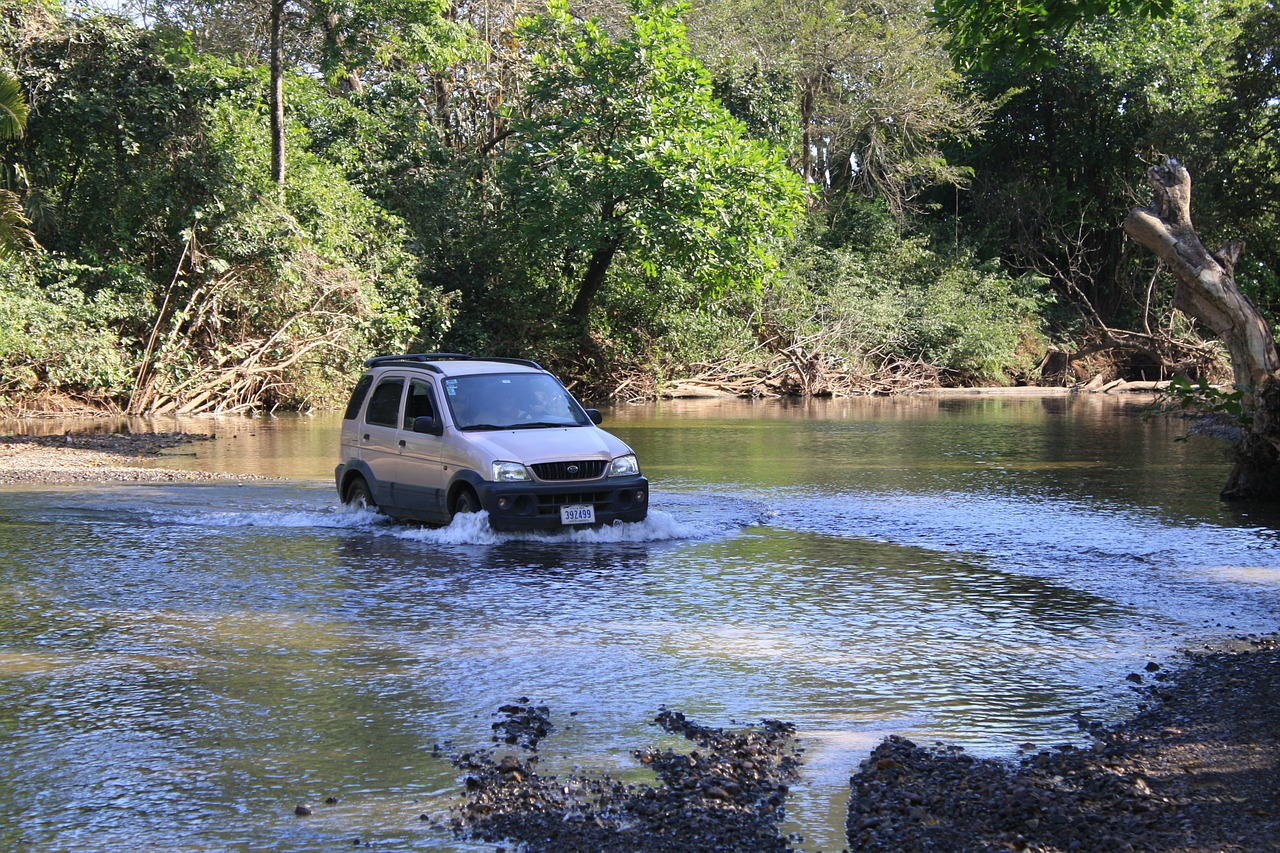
509 472
624 466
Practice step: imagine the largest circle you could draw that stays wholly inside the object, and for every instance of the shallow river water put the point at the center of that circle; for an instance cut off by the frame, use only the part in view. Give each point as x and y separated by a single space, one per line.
181 665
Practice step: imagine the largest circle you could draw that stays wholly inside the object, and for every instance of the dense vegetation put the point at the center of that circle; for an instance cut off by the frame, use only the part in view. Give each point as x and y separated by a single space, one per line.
829 196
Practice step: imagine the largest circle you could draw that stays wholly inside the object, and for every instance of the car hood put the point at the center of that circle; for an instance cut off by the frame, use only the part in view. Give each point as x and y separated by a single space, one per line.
532 446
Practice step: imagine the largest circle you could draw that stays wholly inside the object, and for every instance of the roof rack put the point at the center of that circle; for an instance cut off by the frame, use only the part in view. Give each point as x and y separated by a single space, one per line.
423 358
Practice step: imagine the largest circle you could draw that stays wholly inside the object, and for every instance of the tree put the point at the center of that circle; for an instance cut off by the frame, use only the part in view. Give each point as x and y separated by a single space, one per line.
620 152
275 62
1017 30
345 41
1241 169
1206 290
874 93
14 234
1063 157
115 125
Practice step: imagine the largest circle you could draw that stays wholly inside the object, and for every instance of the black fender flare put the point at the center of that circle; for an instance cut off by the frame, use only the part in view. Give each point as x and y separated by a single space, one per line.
466 477
348 472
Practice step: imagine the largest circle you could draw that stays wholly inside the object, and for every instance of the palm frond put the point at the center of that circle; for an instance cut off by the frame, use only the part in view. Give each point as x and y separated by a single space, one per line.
13 107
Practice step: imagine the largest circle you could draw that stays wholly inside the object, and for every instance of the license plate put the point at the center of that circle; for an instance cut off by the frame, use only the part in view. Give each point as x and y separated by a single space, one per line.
578 514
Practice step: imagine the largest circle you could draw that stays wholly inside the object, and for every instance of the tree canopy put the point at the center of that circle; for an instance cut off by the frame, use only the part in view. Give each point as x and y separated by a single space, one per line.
828 196
1018 31
620 154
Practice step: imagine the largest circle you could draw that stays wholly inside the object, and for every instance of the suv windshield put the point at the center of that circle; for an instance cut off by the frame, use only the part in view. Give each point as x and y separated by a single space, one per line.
511 401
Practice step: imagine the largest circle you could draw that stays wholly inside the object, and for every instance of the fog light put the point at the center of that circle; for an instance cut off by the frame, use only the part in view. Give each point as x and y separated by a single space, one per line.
640 497
503 503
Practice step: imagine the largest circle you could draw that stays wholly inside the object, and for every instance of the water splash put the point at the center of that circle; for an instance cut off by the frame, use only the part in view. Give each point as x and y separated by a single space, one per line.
474 529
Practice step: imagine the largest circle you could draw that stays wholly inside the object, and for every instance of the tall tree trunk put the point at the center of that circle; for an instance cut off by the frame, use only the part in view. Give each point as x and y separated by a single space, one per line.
592 281
1206 290
277 92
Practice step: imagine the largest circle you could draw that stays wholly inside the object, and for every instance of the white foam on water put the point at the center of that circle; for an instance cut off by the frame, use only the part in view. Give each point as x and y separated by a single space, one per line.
694 523
474 529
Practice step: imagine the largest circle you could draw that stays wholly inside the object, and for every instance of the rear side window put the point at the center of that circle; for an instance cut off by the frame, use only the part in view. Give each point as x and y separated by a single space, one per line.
384 405
357 397
419 404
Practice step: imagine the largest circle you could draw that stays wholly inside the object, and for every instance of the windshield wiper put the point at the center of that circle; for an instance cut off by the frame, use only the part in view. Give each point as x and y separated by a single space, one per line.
520 425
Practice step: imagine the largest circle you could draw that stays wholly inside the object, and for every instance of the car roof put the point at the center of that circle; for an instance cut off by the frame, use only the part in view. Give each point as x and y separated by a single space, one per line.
455 364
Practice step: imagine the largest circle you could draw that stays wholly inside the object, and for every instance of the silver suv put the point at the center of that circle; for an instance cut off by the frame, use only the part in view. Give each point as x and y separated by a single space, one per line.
428 436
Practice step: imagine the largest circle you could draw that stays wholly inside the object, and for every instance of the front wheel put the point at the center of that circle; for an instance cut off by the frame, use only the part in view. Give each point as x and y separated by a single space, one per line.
466 501
358 495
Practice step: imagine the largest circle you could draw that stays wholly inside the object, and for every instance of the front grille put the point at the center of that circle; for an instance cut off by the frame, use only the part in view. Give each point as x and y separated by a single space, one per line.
588 469
550 504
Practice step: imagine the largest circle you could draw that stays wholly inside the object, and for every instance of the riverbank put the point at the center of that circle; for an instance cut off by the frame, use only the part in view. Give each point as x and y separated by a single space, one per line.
1197 770
97 458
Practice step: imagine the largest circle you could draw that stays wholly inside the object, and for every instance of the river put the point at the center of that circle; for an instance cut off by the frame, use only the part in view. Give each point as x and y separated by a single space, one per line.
181 665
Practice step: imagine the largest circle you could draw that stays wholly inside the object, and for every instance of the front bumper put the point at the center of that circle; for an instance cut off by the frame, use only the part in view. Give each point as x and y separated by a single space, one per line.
536 506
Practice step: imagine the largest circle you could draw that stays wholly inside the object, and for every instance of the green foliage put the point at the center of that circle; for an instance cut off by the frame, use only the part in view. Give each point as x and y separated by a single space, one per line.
873 95
1064 160
375 34
1238 180
904 301
583 190
327 273
13 107
762 99
621 153
1200 399
114 126
15 236
162 198
54 336
1020 31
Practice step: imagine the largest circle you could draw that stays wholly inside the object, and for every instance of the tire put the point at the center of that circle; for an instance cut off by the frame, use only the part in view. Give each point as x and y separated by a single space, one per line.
359 496
466 501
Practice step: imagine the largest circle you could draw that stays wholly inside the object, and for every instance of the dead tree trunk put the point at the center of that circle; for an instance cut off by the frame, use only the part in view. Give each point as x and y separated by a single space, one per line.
1206 290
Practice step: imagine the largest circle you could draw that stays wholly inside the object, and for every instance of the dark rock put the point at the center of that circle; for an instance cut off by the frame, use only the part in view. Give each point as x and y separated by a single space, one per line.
708 799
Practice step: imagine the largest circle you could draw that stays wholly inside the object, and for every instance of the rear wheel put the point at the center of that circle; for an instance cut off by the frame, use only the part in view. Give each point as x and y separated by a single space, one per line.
466 501
359 496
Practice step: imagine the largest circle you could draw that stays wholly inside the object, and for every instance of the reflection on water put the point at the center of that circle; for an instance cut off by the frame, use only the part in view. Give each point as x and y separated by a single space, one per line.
181 665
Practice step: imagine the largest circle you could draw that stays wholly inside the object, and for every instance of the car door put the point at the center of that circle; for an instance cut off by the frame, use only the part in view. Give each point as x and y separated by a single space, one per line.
379 436
420 481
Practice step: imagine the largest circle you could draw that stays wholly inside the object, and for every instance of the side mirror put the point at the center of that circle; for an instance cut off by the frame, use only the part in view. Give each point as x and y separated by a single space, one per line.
596 417
427 426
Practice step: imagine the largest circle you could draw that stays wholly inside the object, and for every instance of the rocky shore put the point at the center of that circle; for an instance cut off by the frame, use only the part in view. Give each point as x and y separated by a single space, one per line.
1197 770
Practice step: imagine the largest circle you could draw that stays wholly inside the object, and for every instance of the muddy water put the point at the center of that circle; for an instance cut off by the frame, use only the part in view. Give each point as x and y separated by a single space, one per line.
181 665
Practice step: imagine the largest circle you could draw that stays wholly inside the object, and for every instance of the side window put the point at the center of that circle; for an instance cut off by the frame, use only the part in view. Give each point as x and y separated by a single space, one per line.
384 405
419 404
357 397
